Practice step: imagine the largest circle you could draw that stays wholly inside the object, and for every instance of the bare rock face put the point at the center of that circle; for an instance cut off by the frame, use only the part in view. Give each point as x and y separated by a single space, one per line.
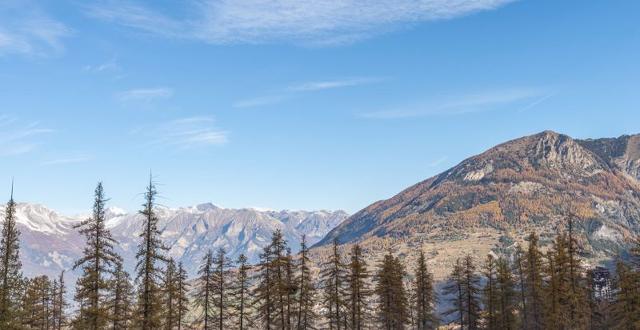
534 183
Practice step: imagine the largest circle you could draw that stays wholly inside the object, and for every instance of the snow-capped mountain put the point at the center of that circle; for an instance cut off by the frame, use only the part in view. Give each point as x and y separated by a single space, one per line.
49 243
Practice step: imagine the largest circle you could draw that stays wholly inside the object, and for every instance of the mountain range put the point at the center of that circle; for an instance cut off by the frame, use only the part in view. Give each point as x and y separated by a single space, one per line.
486 204
492 201
49 242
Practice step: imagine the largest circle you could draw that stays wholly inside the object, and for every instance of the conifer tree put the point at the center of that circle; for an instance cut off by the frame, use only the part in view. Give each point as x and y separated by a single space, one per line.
506 293
272 294
170 297
533 288
471 290
204 293
393 313
221 285
120 300
578 293
149 274
358 290
333 281
37 304
625 311
454 289
10 268
491 296
59 303
241 295
306 316
424 299
291 289
552 313
520 277
281 280
182 304
263 293
97 263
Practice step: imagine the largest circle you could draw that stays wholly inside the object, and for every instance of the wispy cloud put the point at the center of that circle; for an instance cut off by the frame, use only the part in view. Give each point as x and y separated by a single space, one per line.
25 29
108 66
145 95
67 160
320 22
461 104
332 84
304 87
17 137
260 101
186 133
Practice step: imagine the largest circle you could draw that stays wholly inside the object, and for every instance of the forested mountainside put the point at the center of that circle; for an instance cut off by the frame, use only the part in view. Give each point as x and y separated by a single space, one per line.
492 200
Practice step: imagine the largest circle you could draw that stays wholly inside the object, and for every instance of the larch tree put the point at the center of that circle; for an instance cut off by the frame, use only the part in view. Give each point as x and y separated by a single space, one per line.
455 291
182 304
306 316
506 293
333 280
10 268
59 303
534 285
97 264
490 291
625 310
204 288
521 277
392 309
120 300
424 299
281 281
358 289
149 257
37 304
170 296
242 294
471 289
264 293
221 285
272 294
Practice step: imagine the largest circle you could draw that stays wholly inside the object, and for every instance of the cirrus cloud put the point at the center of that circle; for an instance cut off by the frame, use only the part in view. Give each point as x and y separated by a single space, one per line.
319 22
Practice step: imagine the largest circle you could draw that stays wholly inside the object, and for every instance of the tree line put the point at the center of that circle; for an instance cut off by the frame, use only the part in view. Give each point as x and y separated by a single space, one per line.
529 289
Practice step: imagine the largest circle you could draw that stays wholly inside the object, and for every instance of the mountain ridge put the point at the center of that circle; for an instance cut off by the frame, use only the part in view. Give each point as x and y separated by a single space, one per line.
529 183
49 243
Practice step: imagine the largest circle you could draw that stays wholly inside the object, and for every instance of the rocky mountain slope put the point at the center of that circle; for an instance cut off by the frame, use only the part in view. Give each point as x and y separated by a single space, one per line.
493 200
49 243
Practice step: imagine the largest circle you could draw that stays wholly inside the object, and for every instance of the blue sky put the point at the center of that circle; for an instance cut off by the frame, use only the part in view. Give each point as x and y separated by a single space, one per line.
296 104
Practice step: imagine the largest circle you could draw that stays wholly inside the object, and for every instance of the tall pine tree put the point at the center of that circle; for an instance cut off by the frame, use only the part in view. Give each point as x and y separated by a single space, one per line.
120 300
534 286
424 299
204 293
358 289
490 291
392 309
241 295
150 256
306 316
97 263
170 296
221 284
10 268
59 303
182 283
333 281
